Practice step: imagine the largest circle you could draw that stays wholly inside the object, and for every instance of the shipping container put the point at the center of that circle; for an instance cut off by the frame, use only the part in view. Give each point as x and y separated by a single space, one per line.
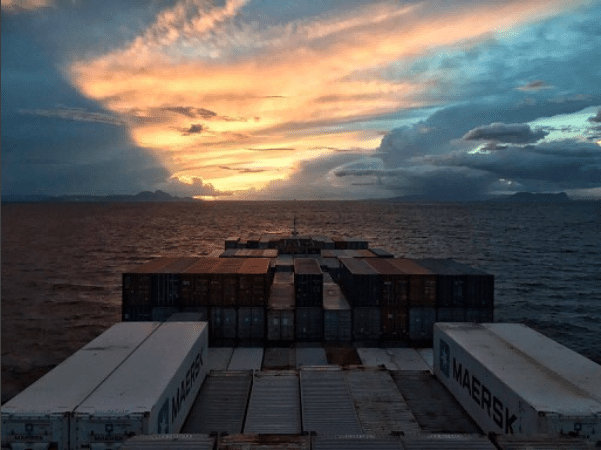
191 314
136 313
231 242
479 315
422 282
395 327
280 309
229 253
367 324
323 242
421 321
254 279
337 314
221 404
124 405
451 285
331 266
358 442
452 315
393 284
223 324
356 243
509 442
375 356
274 405
166 283
479 285
407 359
219 358
251 324
326 404
265 442
224 279
339 243
309 324
162 313
381 409
170 442
279 358
308 283
137 284
284 263
447 442
432 405
196 283
39 415
428 356
381 253
246 358
359 282
483 365
310 355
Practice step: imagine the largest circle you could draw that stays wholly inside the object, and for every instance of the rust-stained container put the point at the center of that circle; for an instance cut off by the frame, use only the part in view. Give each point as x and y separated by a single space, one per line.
251 324
450 284
265 442
223 323
393 283
308 283
224 286
254 280
280 310
196 283
422 282
137 283
395 326
337 315
359 282
166 283
309 323
367 323
421 321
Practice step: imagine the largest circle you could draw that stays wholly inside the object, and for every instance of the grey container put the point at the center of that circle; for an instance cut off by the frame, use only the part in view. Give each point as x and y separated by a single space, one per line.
265 442
151 392
308 283
367 324
326 403
223 323
274 405
309 324
280 309
39 415
219 358
279 358
483 365
246 358
421 323
447 442
432 405
508 442
337 316
251 323
221 404
361 442
360 282
381 408
310 355
170 442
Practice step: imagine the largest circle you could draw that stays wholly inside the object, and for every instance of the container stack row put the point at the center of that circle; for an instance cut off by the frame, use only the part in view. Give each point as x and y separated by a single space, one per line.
296 244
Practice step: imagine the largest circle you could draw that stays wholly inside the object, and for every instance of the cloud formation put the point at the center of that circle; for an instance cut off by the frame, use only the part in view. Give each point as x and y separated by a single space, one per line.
535 85
515 133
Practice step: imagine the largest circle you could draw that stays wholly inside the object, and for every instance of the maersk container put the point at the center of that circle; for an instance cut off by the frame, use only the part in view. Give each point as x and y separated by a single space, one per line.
221 404
223 323
326 403
337 317
38 417
170 442
421 321
359 282
432 405
308 281
151 392
513 380
367 324
381 409
251 323
309 324
274 404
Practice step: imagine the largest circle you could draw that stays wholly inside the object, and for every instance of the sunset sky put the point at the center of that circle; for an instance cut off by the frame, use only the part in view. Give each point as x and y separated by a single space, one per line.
270 99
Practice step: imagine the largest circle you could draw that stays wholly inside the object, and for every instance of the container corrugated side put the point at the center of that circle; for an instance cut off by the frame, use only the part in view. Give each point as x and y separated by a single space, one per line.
167 283
274 405
326 404
40 414
223 323
432 405
421 322
141 396
265 442
381 408
308 283
170 442
395 327
361 442
484 365
367 324
309 324
450 284
359 282
196 283
251 324
137 286
221 404
447 442
280 324
423 288
337 314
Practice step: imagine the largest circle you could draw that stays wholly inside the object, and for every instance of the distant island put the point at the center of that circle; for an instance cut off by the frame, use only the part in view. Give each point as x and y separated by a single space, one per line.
144 196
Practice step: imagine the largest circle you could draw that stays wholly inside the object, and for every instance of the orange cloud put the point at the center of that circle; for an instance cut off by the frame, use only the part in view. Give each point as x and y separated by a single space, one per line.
287 86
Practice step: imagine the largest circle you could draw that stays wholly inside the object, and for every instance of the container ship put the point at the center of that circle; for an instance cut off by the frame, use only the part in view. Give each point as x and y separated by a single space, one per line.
310 342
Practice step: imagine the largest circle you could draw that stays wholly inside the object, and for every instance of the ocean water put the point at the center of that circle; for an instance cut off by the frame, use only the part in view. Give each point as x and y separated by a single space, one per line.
62 263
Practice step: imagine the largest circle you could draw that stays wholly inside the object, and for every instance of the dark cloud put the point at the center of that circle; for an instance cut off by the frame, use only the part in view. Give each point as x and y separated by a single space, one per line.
195 128
535 85
514 133
596 118
196 188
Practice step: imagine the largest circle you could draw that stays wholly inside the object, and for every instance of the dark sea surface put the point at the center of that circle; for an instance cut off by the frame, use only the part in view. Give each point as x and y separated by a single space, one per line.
62 263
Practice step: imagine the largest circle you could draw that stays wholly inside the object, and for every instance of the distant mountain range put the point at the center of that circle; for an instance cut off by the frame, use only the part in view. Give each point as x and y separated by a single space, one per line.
145 196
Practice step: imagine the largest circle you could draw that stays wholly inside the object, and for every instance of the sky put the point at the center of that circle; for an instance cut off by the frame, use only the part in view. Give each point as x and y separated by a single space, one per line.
271 99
